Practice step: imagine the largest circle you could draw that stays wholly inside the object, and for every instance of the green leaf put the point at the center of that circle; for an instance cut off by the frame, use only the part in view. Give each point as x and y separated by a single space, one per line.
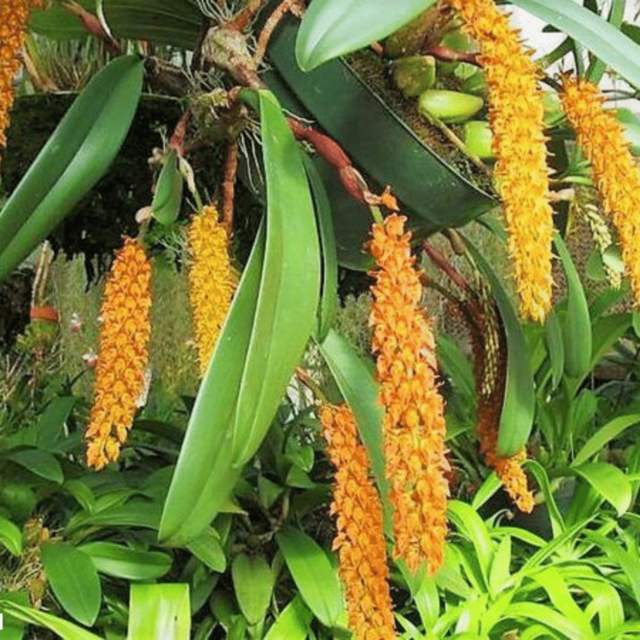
487 489
555 347
57 22
208 549
123 562
539 473
604 435
173 22
609 481
63 628
168 196
204 476
360 390
605 41
332 28
576 329
159 612
329 288
548 616
10 537
75 157
500 573
50 425
253 586
74 581
516 419
292 623
607 330
39 462
285 314
313 574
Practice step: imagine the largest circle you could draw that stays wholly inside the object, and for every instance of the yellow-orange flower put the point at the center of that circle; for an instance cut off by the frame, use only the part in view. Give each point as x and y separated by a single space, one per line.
123 354
413 426
13 20
360 538
516 118
615 172
212 280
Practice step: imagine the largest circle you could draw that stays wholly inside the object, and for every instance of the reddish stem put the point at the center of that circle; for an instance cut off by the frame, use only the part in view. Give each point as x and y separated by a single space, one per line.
229 183
451 55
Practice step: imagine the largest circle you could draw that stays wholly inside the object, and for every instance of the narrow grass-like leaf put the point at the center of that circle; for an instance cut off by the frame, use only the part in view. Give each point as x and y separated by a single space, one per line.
329 288
253 585
292 623
10 537
285 314
204 477
516 419
159 612
500 572
168 195
63 628
576 329
607 43
555 347
332 28
74 580
75 157
548 616
597 67
315 577
604 435
609 481
123 562
539 473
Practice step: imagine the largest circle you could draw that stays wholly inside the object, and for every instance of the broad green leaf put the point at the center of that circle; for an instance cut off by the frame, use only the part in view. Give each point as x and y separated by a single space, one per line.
208 549
168 196
331 28
516 419
609 481
253 585
159 612
123 562
50 425
606 332
57 22
604 435
39 462
285 314
553 582
74 158
204 477
292 623
359 389
134 513
63 628
576 329
314 575
173 22
10 537
73 579
329 289
606 42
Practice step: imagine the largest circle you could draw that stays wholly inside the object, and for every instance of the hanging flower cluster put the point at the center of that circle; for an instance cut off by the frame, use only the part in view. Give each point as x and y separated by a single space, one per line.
13 20
615 172
360 538
516 119
123 354
413 426
212 280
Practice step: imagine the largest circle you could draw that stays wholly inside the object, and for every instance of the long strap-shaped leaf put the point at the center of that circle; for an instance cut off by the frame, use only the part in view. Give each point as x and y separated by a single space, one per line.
607 42
204 477
75 157
290 287
159 612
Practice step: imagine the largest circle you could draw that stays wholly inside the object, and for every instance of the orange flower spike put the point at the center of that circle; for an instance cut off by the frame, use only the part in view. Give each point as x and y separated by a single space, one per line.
413 425
360 541
212 280
615 172
14 15
516 118
123 354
